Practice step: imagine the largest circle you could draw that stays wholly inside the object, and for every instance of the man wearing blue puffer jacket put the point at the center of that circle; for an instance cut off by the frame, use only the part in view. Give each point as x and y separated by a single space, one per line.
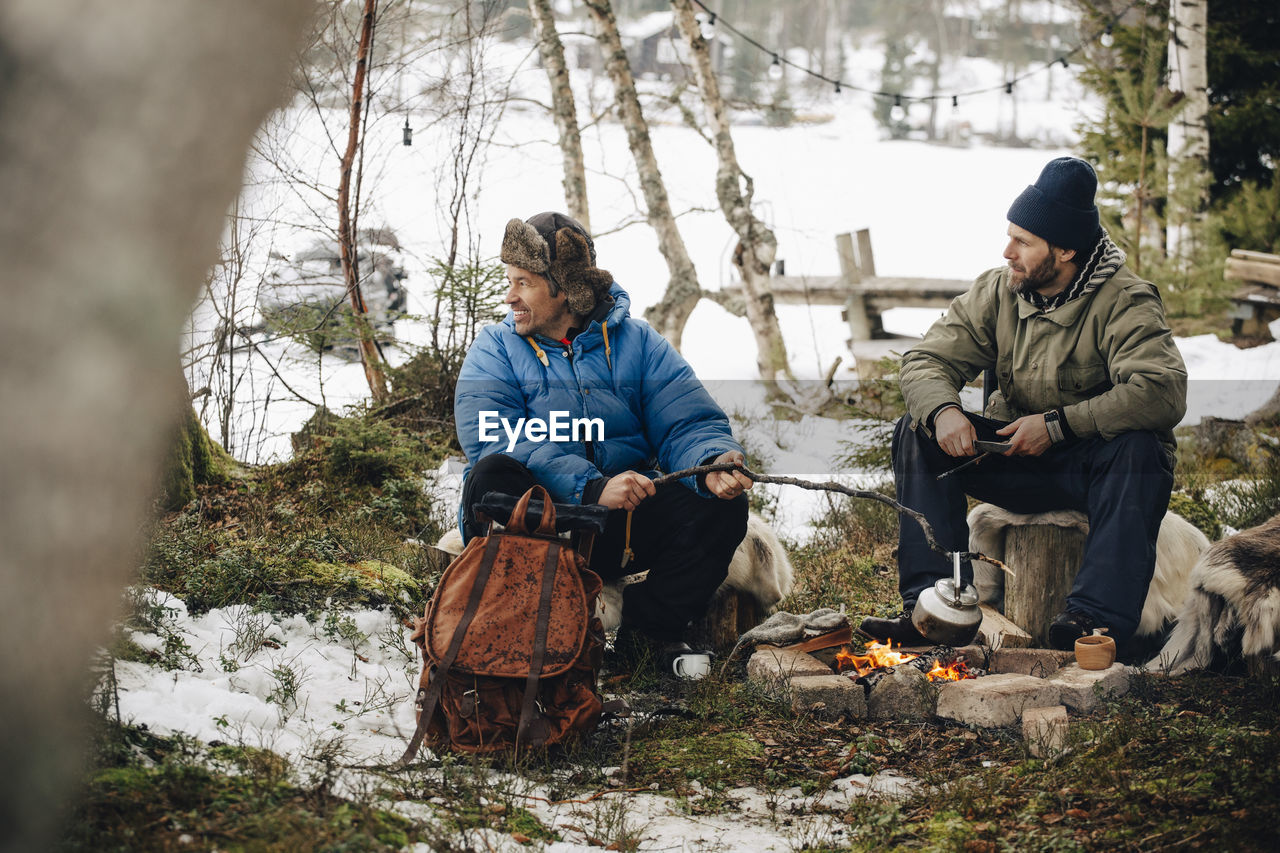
572 393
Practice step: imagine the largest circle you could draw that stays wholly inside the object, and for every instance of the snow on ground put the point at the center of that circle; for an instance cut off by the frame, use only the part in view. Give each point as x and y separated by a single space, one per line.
933 210
345 686
278 683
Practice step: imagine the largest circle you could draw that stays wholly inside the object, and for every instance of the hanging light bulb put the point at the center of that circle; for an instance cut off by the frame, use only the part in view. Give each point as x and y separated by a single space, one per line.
837 87
707 25
1106 39
408 131
1064 62
897 112
1008 88
955 102
775 68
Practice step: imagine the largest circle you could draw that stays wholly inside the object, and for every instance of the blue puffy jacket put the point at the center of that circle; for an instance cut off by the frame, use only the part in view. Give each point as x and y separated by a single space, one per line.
655 412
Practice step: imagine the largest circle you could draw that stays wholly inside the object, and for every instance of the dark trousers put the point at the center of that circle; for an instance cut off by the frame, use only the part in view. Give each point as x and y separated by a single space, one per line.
683 540
1123 485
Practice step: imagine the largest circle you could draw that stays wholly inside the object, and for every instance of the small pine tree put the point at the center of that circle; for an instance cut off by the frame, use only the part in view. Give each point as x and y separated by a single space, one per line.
1129 138
1127 141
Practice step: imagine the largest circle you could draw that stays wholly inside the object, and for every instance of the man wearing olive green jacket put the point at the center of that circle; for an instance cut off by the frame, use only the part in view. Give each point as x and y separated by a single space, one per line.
1090 386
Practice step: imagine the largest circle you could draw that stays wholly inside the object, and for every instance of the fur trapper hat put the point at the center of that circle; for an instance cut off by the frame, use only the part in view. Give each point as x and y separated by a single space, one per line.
558 247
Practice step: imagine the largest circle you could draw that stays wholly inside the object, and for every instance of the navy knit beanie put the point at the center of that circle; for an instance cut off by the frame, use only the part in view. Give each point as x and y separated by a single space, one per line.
1059 206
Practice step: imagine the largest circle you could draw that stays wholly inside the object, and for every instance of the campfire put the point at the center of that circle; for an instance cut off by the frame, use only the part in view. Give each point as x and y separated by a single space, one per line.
883 656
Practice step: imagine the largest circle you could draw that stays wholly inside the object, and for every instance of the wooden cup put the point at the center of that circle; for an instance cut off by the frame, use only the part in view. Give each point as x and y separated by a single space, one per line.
1095 652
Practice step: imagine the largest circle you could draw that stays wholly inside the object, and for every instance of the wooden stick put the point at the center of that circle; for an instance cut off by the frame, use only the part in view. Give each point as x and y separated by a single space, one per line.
830 486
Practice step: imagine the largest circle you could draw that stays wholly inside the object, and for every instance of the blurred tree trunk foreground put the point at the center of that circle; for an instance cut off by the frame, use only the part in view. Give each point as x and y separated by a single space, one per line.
124 128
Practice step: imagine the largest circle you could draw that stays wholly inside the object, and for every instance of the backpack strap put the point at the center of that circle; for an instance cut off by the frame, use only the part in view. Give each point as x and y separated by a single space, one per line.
547 526
586 544
539 649
432 696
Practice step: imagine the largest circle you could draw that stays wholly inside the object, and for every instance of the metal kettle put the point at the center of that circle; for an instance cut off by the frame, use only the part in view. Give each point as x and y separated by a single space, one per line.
948 614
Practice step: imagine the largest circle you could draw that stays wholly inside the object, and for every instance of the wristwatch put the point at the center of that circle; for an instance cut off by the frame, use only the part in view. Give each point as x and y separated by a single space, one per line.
1053 424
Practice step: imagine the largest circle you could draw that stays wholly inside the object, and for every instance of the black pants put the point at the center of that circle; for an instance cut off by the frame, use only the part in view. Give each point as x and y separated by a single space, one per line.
1123 485
685 541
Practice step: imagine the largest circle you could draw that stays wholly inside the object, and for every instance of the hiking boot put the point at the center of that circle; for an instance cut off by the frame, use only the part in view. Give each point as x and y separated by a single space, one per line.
897 629
1069 626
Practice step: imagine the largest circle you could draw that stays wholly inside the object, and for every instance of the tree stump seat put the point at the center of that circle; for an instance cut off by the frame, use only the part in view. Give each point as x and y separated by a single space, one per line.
1044 550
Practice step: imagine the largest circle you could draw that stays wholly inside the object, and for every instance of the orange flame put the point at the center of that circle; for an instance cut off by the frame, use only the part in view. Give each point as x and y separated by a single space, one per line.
880 655
958 671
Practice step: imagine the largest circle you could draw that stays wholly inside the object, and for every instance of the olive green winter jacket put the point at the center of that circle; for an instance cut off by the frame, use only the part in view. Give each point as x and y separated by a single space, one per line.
1106 358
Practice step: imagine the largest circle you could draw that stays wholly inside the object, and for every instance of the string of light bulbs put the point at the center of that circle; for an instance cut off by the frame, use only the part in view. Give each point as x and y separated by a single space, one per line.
710 20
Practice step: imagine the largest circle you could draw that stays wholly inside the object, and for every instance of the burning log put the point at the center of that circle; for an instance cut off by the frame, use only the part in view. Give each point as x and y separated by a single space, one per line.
941 663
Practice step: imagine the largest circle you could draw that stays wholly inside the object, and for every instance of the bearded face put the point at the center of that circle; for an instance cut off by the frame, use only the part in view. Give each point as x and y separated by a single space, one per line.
1023 280
1035 265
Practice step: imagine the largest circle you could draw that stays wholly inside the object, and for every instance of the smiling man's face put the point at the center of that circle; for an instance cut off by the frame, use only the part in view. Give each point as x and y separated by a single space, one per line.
534 309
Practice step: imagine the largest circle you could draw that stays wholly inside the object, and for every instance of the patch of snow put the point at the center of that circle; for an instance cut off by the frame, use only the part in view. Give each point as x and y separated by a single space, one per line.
360 700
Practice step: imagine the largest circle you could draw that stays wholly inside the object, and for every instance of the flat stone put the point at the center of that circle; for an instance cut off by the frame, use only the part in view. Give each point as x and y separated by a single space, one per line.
903 694
1045 730
828 696
773 665
1082 689
1037 662
995 700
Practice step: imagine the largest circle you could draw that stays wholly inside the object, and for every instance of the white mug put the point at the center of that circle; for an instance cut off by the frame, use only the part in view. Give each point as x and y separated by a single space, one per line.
691 666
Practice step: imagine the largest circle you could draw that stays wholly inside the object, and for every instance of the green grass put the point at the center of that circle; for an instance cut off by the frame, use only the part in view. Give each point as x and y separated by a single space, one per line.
146 793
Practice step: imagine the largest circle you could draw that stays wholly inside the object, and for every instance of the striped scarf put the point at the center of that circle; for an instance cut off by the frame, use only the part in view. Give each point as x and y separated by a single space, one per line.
1102 264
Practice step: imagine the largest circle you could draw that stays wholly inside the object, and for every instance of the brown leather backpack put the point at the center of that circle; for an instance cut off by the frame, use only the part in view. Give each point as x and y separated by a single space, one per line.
510 643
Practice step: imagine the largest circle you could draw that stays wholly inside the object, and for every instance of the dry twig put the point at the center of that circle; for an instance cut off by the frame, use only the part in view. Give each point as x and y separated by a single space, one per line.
830 486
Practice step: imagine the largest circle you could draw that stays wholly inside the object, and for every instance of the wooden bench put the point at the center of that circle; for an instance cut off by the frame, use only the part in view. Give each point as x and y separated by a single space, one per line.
1257 301
864 295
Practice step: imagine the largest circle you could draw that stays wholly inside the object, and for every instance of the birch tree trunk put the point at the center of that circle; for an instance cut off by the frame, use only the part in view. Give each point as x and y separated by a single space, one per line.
940 50
757 245
370 354
670 314
563 110
123 139
1189 132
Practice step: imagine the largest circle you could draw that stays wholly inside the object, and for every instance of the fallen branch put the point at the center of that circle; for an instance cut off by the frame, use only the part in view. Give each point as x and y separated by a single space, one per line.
597 795
831 486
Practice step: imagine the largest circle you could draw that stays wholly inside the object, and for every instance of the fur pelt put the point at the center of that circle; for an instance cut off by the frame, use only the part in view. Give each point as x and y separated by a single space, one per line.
1178 547
1235 596
760 566
451 542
